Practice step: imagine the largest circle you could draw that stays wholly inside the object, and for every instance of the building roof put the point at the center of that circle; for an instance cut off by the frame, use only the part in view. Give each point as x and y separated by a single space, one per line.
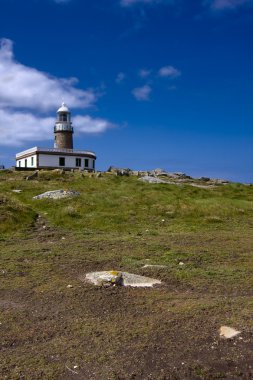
52 151
63 108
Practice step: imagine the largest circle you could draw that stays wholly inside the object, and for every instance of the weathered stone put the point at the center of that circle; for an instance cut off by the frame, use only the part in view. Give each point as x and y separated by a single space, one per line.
109 278
105 278
119 171
228 332
204 179
150 179
58 194
220 181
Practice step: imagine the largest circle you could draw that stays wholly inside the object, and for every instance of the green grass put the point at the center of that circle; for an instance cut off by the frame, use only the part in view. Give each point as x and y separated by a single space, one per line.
122 223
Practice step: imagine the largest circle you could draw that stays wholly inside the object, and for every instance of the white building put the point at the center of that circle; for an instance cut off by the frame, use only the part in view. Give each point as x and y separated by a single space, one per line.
62 155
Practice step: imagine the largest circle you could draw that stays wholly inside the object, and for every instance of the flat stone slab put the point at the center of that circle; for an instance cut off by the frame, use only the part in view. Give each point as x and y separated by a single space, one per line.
228 332
108 278
58 194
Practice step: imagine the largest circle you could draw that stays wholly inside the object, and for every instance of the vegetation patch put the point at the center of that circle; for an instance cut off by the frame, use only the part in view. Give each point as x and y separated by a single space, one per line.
196 241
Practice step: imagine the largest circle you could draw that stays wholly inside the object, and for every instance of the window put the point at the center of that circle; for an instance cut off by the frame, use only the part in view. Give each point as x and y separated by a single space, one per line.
61 161
86 163
32 161
78 162
25 163
93 164
19 163
63 117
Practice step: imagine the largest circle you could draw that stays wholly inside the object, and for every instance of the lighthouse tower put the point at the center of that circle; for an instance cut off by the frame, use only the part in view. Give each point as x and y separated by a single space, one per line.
63 130
62 156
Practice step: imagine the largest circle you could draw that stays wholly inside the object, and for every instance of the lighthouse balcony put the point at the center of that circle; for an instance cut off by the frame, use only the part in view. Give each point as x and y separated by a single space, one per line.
62 127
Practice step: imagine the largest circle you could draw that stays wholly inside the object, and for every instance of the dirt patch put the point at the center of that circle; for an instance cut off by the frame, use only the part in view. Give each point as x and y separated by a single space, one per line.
8 305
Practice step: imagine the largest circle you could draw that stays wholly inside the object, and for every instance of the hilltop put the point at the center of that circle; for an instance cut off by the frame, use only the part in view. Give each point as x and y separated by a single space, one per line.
194 235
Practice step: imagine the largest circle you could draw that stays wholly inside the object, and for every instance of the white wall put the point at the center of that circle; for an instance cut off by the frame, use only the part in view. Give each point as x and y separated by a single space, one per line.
27 162
70 161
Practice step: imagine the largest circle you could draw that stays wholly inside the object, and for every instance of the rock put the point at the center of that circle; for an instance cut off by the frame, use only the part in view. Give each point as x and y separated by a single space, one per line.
32 176
144 173
181 263
58 194
204 179
109 278
157 172
58 171
16 191
220 181
138 281
228 332
119 171
69 286
150 179
106 278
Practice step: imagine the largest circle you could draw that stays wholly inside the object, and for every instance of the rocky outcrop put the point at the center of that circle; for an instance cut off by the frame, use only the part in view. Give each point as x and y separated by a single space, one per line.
150 179
115 278
58 194
120 171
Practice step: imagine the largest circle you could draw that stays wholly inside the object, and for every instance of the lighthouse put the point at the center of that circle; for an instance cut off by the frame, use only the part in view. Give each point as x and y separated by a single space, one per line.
63 130
62 156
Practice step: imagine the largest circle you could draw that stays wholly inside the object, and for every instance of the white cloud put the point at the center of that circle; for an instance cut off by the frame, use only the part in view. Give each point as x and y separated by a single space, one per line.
142 93
169 71
28 95
144 73
26 87
120 77
228 4
18 128
87 124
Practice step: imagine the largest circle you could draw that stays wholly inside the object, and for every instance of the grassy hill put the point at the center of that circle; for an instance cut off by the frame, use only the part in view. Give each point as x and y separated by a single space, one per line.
52 331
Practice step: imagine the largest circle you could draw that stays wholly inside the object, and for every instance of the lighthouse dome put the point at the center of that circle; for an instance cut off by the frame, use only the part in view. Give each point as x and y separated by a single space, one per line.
63 108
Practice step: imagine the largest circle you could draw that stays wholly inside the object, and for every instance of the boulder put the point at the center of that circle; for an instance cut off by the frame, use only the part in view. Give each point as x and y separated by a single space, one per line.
105 278
119 171
150 179
57 194
204 179
114 278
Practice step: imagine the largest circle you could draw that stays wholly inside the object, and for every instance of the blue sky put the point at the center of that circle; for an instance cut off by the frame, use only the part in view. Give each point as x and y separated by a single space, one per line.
150 83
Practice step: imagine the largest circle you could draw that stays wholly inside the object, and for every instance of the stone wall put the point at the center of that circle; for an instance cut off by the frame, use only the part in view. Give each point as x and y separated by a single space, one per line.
64 140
